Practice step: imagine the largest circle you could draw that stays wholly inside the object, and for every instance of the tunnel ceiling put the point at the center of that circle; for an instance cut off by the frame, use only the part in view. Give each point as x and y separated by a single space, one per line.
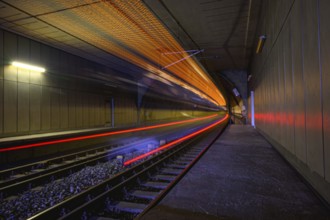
223 30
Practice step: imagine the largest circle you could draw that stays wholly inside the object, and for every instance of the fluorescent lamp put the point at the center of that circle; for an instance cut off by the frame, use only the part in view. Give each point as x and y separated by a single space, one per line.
235 91
28 66
261 43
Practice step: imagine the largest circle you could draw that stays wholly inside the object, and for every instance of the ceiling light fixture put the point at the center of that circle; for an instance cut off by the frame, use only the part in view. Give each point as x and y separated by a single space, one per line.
28 66
261 43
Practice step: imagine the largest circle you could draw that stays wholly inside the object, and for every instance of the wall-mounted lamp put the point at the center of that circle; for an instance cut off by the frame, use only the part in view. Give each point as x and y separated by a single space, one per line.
261 43
28 66
235 91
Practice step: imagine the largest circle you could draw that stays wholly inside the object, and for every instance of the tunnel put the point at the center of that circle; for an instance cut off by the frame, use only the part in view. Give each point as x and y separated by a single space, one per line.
164 109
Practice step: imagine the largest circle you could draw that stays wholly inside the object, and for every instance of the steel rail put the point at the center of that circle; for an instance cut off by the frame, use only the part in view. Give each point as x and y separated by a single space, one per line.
87 202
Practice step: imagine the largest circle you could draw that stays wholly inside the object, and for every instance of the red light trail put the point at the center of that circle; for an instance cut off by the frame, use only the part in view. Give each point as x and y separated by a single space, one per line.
174 142
65 140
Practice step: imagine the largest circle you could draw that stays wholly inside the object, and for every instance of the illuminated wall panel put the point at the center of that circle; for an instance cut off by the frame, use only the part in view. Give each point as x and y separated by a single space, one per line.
23 114
294 115
10 106
35 107
9 54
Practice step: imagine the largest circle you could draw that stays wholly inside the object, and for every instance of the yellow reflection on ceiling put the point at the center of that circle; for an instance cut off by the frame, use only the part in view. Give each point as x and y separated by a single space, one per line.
129 30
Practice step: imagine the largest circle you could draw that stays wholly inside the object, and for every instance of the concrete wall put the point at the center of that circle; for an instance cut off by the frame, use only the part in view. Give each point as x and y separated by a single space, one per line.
62 98
32 102
125 111
291 80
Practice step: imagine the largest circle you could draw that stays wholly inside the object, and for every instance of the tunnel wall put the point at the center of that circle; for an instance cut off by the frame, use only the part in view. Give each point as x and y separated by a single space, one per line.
125 111
291 81
34 102
153 110
63 98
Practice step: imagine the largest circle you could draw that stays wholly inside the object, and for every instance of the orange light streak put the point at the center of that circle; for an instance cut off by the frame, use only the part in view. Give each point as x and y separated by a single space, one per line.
129 30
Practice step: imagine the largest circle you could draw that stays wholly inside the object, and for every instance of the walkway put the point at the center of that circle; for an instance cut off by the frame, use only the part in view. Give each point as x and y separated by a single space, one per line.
240 177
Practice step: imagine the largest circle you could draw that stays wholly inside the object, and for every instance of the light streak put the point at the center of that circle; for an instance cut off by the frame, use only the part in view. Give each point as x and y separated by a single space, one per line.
175 142
129 30
65 140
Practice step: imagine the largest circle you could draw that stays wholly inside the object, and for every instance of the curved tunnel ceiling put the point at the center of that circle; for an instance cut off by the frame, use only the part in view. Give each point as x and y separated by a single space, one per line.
126 29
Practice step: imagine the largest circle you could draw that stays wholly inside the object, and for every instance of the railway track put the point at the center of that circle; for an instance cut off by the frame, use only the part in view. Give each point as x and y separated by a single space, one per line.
18 179
16 194
130 193
35 187
27 171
